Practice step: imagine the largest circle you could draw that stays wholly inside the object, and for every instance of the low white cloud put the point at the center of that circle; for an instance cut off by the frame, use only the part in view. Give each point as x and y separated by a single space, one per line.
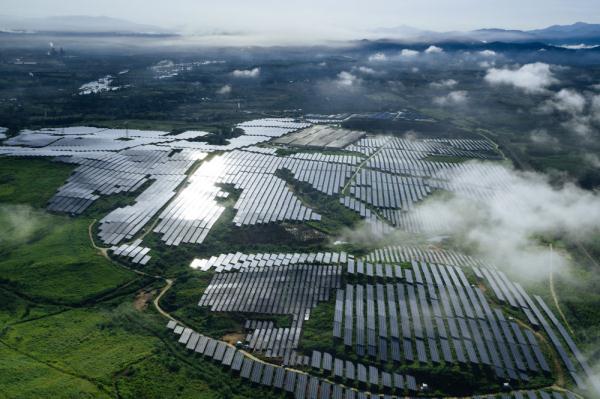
442 84
226 89
434 50
20 223
580 125
246 73
595 108
580 46
566 100
409 53
378 57
531 78
456 97
505 227
541 136
582 110
488 53
367 70
347 79
592 159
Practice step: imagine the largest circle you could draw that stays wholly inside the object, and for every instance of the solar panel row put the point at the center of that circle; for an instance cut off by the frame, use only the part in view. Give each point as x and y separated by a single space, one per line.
292 290
434 308
239 260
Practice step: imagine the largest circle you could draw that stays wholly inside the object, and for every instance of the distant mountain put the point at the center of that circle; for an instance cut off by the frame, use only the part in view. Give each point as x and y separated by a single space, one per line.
576 33
579 31
77 24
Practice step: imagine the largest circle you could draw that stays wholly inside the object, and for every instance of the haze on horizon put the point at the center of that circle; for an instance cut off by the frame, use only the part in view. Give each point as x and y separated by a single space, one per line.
318 18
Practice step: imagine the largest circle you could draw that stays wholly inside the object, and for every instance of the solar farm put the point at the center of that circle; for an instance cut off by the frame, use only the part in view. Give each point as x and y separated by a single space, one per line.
398 321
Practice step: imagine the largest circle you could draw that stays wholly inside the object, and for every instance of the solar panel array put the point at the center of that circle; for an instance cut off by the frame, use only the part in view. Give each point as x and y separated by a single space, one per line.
399 254
321 136
514 295
398 174
305 386
239 260
265 198
431 314
134 251
287 290
358 374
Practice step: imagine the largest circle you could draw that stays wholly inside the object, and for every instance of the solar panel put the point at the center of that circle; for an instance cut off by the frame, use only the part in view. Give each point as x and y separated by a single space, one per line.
238 359
325 391
228 356
411 383
373 376
315 361
327 361
350 371
279 377
191 344
290 380
386 380
421 353
211 346
201 345
300 392
361 373
185 335
337 392
246 368
220 351
338 368
257 372
398 381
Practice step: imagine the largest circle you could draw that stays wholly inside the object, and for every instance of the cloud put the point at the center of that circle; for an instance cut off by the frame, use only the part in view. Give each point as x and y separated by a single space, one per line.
592 159
580 46
367 70
505 227
226 89
541 136
447 83
531 78
409 53
580 125
595 108
246 73
456 97
583 113
434 50
488 53
20 223
346 79
378 57
566 100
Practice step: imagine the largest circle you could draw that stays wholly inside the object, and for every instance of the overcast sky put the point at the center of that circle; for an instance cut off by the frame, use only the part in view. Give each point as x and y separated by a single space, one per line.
320 15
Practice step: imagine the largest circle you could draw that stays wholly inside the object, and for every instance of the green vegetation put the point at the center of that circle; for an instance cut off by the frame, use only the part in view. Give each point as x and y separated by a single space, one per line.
73 324
334 216
30 181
